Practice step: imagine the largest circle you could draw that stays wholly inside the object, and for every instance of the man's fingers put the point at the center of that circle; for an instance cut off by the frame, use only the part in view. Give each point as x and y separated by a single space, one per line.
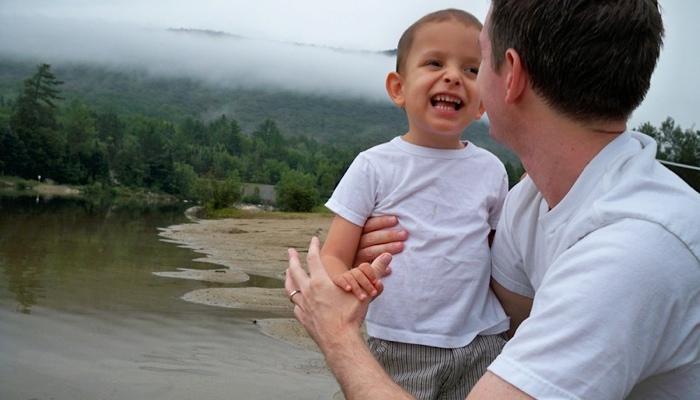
377 223
296 276
384 236
380 288
313 259
370 253
381 264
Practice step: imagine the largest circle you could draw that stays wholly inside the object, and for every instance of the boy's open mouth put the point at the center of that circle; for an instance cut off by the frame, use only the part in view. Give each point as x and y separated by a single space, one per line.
445 101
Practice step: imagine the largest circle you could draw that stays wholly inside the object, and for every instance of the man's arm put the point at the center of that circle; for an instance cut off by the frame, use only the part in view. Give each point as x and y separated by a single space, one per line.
333 318
516 306
491 387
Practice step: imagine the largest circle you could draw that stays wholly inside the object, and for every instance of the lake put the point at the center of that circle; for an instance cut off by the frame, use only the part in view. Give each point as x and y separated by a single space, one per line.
83 317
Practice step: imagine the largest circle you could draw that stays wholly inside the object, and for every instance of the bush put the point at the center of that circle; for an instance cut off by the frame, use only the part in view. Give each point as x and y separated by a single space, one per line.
216 194
296 191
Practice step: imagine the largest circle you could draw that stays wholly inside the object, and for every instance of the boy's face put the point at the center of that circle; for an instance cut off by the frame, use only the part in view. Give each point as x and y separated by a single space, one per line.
438 81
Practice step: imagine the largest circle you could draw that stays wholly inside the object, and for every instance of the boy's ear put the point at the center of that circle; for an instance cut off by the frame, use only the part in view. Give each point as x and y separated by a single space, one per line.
394 88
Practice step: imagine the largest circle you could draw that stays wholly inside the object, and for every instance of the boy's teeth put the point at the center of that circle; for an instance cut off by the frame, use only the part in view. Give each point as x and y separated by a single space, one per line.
448 99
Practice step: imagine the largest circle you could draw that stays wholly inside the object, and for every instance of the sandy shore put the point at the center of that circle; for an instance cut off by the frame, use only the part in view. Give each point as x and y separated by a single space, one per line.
248 247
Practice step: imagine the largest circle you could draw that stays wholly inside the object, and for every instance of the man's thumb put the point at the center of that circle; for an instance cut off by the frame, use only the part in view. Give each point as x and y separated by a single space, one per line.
381 265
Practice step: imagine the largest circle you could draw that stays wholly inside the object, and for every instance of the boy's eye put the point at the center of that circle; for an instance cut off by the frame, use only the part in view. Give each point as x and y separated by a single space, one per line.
433 63
472 70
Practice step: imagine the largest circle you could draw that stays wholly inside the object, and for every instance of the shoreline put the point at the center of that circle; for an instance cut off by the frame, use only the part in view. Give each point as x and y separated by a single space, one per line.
239 249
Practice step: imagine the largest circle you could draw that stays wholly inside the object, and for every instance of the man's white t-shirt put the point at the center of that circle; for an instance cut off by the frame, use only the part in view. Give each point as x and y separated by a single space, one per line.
615 277
449 200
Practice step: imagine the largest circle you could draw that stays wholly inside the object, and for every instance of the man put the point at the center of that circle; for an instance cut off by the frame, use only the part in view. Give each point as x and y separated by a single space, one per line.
600 240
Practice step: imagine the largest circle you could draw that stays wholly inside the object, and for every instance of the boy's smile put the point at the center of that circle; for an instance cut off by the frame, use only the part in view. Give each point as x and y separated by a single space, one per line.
446 102
437 84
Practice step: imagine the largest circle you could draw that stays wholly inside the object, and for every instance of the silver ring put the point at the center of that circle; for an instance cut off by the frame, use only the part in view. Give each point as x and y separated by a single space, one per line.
291 295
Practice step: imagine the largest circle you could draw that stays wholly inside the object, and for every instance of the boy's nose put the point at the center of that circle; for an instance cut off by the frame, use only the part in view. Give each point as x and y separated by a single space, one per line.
451 78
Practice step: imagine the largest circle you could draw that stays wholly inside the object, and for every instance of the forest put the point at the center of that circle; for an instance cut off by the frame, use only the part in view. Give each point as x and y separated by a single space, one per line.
108 131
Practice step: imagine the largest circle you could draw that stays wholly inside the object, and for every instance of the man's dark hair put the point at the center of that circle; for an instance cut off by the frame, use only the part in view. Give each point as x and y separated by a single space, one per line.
589 59
409 34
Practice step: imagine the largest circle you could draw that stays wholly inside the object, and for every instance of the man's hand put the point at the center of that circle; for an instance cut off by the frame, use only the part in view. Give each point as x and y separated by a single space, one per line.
361 280
378 238
326 311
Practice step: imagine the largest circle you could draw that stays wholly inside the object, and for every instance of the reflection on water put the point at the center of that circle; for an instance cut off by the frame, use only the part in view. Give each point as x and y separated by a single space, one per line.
70 254
23 282
83 317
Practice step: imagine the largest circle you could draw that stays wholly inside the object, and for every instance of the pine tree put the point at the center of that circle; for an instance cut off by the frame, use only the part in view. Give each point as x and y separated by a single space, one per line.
34 122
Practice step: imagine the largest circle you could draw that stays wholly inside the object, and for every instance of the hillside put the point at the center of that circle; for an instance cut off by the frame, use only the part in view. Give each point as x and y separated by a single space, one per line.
330 120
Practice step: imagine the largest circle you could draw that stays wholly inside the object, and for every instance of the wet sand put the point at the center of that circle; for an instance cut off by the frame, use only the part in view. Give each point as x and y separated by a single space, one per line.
248 247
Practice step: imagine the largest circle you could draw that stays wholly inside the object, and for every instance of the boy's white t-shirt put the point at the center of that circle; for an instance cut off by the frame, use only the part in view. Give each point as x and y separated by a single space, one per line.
438 292
615 276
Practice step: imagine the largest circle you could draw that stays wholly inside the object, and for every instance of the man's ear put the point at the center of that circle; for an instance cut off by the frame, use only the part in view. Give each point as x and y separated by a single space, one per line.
394 88
481 111
516 79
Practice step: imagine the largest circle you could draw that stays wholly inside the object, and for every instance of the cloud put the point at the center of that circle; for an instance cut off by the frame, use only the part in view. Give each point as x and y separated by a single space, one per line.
222 60
133 34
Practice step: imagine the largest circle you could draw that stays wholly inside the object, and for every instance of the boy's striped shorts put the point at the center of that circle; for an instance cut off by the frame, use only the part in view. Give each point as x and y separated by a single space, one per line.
431 373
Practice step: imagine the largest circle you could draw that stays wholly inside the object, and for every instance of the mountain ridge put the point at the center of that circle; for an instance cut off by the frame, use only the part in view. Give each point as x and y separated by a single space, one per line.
344 121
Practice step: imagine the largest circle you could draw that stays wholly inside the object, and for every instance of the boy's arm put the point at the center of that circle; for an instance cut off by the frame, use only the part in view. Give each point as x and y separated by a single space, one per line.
340 246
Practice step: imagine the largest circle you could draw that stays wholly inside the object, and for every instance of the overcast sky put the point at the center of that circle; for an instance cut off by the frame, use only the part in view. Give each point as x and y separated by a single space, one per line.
131 33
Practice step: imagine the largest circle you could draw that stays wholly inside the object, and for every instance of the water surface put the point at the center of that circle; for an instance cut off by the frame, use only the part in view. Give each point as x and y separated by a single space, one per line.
82 316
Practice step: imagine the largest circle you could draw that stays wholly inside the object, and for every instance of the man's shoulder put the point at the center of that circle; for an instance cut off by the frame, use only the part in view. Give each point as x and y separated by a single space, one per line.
523 201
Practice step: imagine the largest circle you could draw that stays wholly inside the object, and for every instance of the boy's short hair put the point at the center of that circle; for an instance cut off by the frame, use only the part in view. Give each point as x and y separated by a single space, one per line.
409 34
590 60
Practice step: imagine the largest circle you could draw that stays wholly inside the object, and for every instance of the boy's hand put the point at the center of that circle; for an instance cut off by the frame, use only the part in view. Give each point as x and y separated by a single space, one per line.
361 281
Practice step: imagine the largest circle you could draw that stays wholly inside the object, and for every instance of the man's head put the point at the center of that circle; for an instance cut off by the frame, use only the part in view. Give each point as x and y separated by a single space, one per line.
590 60
408 36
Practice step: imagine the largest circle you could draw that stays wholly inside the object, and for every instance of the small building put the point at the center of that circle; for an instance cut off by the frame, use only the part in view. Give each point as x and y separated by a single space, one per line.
265 193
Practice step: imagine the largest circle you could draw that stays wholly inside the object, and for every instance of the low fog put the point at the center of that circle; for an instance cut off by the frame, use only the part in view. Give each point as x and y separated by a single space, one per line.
128 34
218 60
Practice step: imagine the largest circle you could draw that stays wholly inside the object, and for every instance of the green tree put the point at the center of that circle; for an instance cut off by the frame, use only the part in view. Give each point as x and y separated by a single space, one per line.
296 191
515 173
85 156
678 146
13 155
216 194
268 142
185 180
34 122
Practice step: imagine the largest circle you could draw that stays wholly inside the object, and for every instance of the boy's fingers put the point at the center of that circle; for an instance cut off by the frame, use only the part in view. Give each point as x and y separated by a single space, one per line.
342 282
368 272
364 282
357 290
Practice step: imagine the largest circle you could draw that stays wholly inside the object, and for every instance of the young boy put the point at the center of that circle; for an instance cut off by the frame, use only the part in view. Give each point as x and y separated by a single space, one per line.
435 337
